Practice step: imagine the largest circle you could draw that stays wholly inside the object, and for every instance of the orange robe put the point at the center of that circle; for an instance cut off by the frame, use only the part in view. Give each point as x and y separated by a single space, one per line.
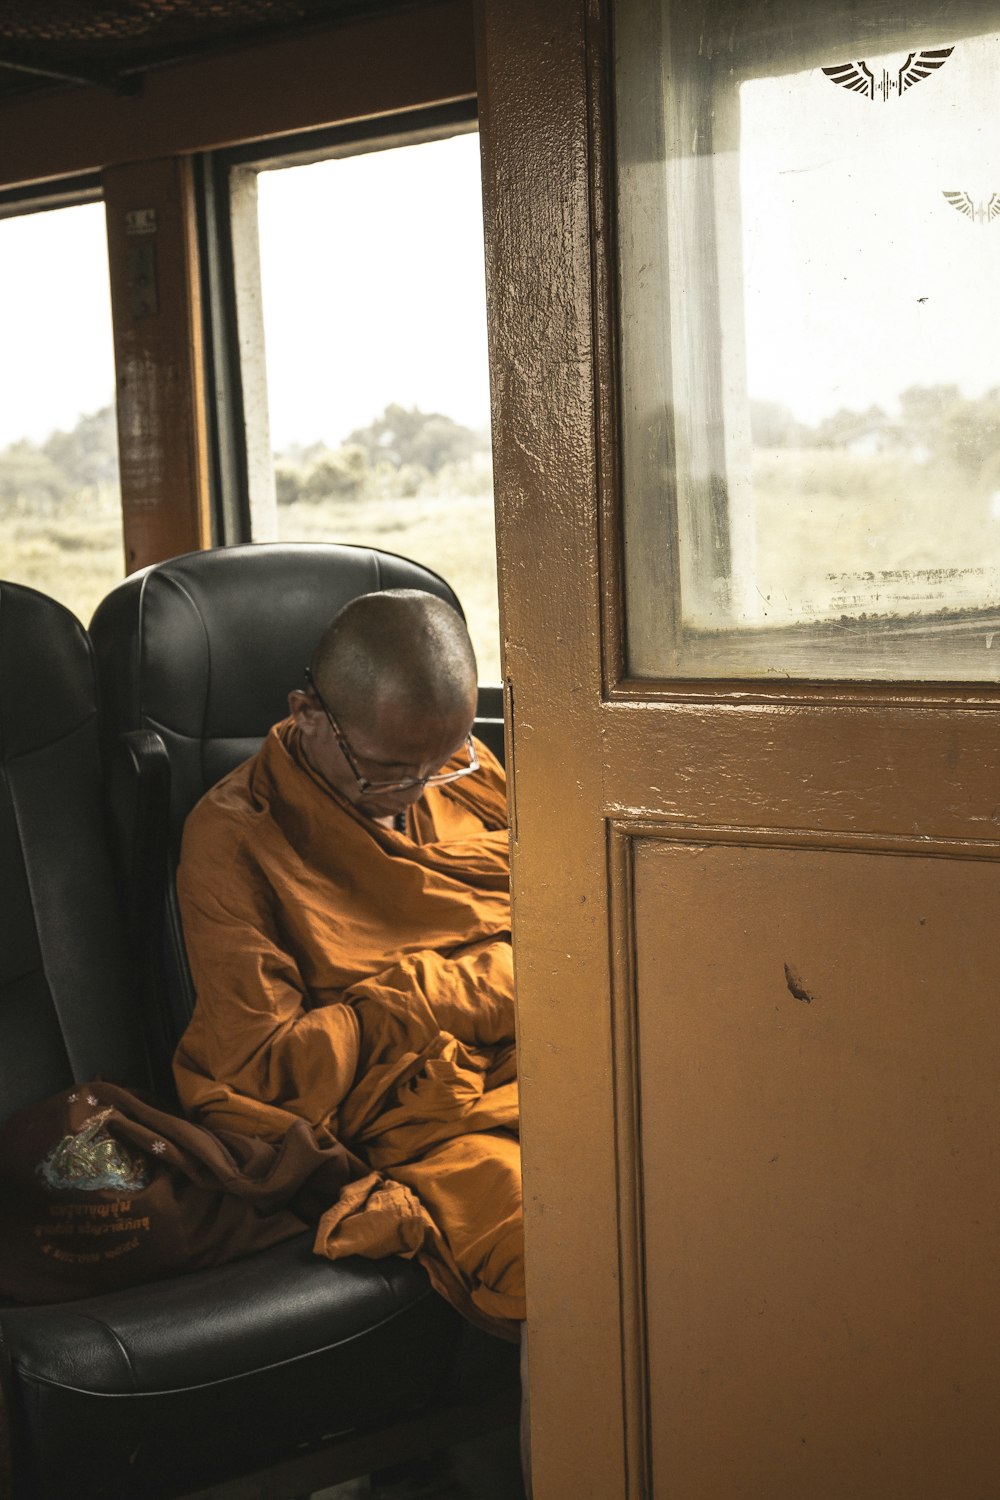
361 979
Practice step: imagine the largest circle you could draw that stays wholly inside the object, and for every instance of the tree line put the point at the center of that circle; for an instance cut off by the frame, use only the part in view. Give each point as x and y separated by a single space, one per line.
401 452
934 423
404 452
41 476
407 452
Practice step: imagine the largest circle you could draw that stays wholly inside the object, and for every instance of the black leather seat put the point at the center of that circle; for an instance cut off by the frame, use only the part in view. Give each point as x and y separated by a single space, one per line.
158 1390
203 650
302 1370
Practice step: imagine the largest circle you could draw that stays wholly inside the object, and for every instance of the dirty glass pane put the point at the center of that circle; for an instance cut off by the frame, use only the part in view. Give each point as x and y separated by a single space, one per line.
373 294
809 237
60 505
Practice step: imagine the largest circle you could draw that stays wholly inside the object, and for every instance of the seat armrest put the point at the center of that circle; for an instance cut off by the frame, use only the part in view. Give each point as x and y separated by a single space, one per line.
137 783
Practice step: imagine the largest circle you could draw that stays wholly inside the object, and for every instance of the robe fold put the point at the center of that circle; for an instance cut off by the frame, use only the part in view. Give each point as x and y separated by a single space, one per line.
361 979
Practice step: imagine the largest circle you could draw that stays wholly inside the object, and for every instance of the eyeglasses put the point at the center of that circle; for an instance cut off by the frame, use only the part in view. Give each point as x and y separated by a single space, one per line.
365 787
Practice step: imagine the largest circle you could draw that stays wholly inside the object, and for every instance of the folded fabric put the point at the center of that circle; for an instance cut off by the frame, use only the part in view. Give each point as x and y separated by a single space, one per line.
361 978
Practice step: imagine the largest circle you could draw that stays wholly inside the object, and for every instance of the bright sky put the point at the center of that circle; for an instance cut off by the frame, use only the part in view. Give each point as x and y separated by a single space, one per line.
861 278
55 321
374 292
374 289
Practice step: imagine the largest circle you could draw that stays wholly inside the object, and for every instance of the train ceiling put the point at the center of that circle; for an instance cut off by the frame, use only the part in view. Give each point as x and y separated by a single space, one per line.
49 44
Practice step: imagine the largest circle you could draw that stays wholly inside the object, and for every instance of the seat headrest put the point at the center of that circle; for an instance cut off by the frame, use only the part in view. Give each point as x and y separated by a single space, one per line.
46 676
205 648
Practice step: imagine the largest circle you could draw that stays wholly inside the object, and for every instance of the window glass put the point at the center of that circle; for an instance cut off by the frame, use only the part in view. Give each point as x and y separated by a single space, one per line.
374 319
819 465
60 505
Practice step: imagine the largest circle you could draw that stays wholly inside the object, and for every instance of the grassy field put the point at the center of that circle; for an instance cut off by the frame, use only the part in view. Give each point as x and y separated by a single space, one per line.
76 555
835 534
841 534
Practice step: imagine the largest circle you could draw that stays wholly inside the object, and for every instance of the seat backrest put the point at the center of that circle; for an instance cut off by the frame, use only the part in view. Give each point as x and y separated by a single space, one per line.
204 648
66 1009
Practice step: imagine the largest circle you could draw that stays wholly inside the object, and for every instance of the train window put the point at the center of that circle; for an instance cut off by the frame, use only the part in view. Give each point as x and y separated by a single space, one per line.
371 310
60 506
807 234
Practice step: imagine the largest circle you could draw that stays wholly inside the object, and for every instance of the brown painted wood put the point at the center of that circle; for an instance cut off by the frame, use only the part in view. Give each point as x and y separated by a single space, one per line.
837 818
820 1138
374 65
158 356
903 769
536 178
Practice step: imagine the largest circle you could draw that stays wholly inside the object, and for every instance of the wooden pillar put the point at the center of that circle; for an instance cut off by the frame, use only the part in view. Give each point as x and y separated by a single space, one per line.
156 307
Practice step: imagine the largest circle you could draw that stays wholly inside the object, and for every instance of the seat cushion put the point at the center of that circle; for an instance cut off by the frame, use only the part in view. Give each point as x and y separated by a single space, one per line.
158 1388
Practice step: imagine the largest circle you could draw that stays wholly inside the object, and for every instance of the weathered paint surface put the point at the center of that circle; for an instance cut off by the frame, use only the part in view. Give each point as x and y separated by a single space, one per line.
375 65
820 1139
157 334
533 119
677 1031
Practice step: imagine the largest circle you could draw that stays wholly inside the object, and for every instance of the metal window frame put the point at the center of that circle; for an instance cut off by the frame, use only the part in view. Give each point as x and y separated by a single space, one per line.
63 192
229 469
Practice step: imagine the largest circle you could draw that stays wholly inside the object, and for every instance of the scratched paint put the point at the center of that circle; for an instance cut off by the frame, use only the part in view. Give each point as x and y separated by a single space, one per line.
795 986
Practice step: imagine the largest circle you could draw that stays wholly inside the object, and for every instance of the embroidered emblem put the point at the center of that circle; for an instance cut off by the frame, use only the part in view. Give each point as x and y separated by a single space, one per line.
859 78
984 212
72 1098
92 1159
91 1099
158 1147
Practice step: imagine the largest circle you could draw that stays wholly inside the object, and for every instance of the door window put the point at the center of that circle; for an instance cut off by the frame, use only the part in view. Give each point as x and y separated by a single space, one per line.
809 230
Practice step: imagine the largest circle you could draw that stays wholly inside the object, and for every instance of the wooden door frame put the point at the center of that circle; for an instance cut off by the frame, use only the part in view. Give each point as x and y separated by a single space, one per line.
548 356
603 765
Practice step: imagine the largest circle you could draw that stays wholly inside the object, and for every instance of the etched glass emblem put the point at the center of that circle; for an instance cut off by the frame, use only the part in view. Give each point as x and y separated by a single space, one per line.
884 82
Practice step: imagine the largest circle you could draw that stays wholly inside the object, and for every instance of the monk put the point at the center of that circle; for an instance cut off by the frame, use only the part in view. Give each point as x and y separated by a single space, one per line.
346 909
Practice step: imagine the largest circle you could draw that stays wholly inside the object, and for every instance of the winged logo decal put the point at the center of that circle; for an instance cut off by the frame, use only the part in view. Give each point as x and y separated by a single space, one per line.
856 76
859 79
984 212
920 65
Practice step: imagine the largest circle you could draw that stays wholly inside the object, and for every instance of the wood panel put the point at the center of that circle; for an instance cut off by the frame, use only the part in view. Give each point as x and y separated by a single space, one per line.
818 1042
156 309
904 768
373 65
536 187
665 1057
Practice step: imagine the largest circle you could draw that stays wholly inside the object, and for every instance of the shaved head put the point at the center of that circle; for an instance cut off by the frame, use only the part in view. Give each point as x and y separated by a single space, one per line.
398 646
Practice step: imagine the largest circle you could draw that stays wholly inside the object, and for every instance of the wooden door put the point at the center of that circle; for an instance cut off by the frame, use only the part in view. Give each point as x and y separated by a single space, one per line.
755 910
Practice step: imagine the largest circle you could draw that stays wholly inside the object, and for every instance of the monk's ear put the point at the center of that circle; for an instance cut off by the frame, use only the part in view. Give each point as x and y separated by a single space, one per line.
304 711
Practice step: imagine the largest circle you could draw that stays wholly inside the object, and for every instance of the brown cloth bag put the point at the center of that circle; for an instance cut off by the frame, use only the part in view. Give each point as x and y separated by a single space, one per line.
100 1190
